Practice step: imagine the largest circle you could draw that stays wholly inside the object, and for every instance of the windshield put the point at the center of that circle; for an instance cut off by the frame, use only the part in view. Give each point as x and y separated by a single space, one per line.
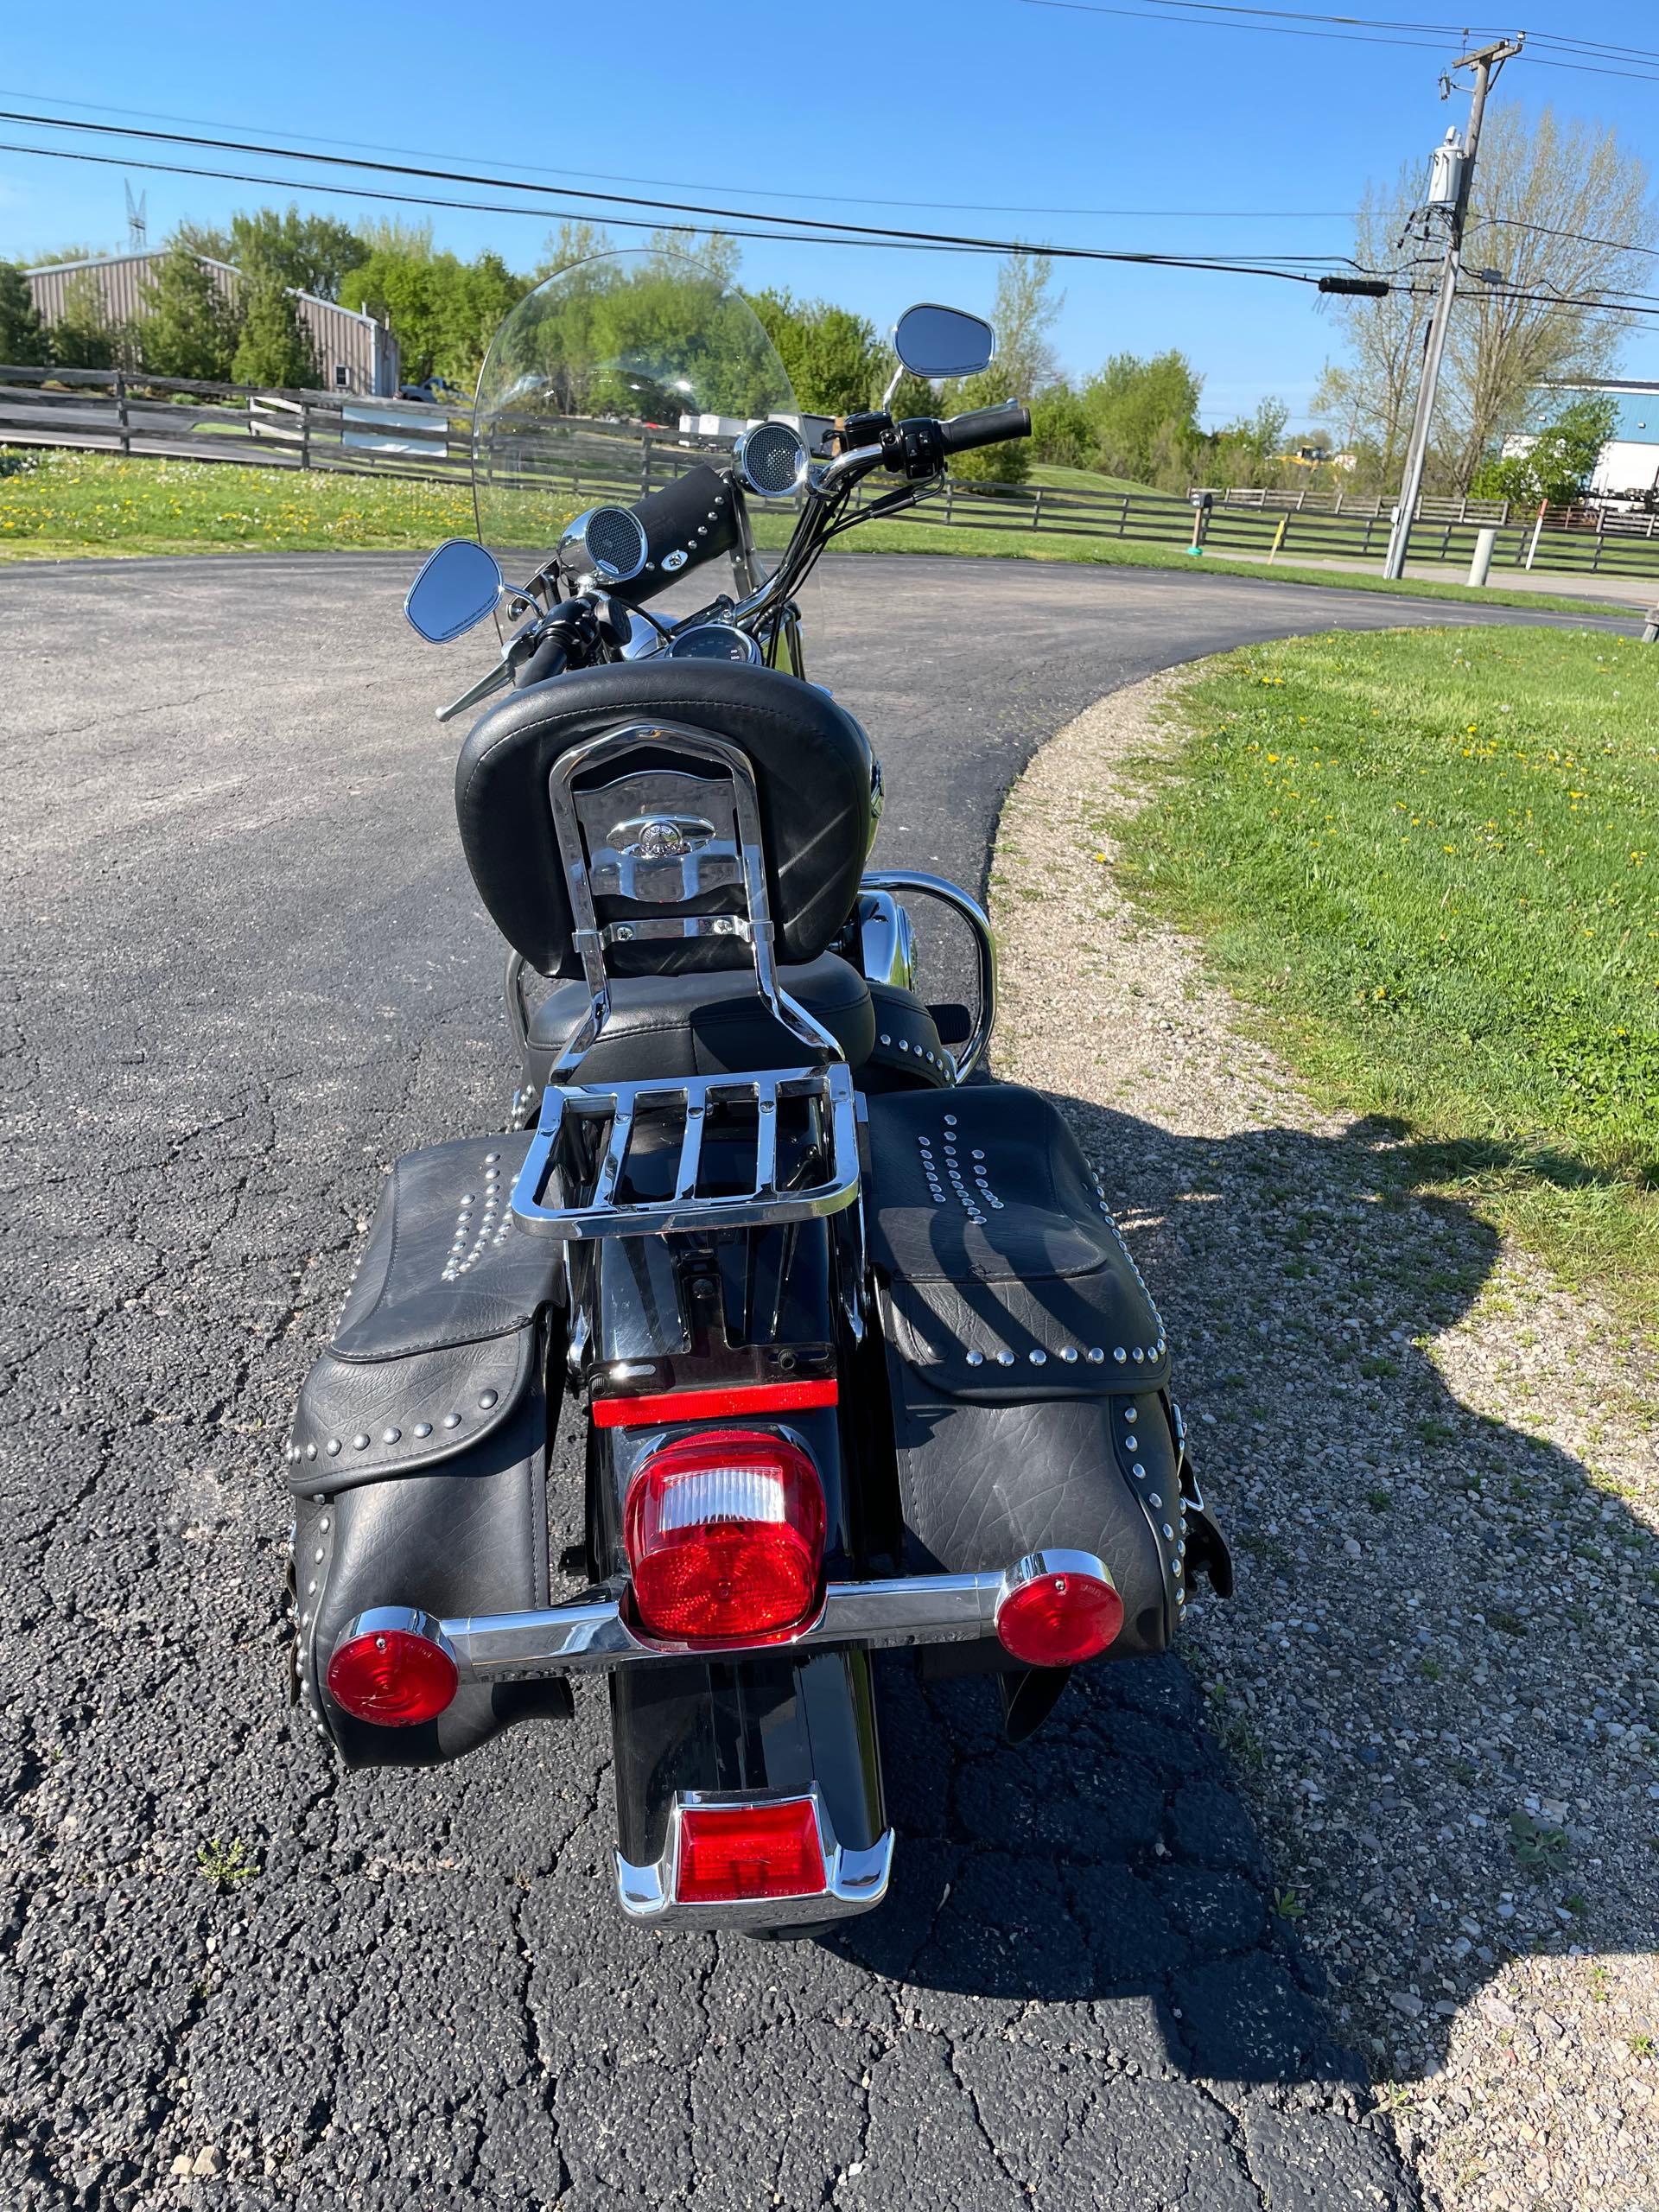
600 383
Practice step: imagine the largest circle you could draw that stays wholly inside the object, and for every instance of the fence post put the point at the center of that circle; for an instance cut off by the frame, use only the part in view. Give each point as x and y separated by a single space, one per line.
121 416
1037 510
644 464
305 433
950 498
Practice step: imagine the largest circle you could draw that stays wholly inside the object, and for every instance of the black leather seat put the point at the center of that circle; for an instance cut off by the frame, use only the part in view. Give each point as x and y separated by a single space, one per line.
663 1026
668 1026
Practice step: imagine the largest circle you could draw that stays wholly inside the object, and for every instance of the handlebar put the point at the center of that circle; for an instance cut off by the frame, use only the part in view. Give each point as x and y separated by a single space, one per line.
986 426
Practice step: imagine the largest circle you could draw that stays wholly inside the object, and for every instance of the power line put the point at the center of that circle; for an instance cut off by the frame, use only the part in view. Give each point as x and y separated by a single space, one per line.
1366 30
856 232
1548 230
1276 30
754 192
904 242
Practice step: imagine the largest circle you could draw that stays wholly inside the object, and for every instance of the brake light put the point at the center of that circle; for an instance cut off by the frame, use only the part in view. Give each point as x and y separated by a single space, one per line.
396 1677
724 1533
1054 1615
729 1853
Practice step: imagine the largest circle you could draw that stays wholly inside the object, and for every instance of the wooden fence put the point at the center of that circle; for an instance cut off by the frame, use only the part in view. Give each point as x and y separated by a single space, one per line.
113 412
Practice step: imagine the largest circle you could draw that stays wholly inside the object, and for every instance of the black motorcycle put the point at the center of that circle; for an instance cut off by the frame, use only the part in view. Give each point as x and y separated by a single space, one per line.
855 1352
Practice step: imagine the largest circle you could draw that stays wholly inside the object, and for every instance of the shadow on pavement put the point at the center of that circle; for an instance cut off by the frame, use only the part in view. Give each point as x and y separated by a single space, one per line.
1444 1733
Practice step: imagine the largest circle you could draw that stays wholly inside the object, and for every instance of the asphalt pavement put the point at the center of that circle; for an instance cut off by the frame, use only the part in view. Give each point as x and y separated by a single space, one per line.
245 970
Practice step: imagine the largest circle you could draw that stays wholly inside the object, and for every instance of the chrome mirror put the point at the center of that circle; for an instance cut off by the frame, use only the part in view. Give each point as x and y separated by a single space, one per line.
936 341
456 587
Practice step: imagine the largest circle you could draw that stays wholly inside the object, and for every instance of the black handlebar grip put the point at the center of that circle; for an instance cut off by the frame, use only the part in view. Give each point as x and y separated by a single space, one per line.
986 426
687 521
548 658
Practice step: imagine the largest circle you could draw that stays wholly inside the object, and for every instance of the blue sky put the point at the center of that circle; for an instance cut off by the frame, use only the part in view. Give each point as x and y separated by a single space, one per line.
990 104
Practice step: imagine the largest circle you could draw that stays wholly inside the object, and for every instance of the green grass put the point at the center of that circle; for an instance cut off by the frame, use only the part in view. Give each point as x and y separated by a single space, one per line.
1434 857
71 505
78 504
1083 479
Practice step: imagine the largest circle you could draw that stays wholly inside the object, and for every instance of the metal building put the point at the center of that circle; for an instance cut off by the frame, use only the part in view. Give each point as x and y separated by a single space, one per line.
354 352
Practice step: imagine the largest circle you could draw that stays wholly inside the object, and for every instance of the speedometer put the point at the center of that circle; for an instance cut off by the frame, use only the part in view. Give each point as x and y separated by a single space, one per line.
713 641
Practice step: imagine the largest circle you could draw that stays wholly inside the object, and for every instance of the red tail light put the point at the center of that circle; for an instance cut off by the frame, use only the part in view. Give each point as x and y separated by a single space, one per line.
733 1852
724 1533
396 1677
1059 1609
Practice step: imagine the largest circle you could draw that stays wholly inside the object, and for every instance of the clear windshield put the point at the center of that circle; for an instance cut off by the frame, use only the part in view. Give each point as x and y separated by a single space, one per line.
598 382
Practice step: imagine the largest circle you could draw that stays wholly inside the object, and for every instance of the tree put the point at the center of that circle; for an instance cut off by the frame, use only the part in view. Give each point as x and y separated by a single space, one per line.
1562 210
1249 450
1143 415
830 355
273 347
1060 430
1024 313
310 253
23 340
84 337
443 311
60 254
571 242
1558 463
187 325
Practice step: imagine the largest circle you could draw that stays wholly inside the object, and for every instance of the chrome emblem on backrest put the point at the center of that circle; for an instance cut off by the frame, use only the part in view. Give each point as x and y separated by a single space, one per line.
662 838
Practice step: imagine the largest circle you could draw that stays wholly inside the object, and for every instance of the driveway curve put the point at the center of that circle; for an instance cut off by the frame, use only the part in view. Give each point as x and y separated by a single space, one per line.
244 970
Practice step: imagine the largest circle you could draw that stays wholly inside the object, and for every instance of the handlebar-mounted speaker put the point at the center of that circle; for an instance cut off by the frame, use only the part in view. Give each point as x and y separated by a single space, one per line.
771 461
605 544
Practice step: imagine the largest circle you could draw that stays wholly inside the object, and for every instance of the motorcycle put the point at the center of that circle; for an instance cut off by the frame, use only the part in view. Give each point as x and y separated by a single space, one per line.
854 1352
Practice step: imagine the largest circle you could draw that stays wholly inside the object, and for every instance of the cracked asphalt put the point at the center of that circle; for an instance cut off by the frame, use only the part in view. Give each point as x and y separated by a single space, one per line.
244 970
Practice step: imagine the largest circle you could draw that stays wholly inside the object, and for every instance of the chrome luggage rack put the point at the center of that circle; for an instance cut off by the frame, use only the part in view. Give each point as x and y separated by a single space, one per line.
586 1132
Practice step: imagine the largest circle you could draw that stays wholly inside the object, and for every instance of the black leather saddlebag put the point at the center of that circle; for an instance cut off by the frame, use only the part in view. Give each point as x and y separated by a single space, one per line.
1028 1365
418 1456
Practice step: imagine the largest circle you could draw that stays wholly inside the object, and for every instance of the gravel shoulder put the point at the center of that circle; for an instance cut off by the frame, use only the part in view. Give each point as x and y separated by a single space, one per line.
1440 1473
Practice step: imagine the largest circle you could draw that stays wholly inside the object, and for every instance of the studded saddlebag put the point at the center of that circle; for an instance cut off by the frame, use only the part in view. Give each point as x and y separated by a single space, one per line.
418 1457
1028 1367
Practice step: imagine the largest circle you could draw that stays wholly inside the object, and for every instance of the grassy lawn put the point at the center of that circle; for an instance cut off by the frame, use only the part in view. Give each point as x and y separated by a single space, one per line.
79 504
69 506
1081 480
1433 857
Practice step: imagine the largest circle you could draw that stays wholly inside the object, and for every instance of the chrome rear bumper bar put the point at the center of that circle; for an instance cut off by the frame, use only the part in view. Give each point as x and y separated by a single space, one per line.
586 1637
592 1636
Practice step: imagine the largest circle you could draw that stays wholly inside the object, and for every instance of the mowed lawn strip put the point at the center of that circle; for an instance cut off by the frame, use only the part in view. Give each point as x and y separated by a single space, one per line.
68 505
1433 857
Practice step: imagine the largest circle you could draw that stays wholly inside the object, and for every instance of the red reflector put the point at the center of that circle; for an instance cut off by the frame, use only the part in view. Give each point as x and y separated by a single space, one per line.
732 1853
724 1533
713 1405
392 1676
1058 1618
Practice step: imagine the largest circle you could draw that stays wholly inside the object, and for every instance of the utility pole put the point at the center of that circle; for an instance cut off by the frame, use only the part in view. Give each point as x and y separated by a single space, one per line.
1485 64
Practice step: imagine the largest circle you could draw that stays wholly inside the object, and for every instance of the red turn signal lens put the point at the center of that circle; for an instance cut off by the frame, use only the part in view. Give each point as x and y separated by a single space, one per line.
1058 1616
724 1533
393 1676
729 1853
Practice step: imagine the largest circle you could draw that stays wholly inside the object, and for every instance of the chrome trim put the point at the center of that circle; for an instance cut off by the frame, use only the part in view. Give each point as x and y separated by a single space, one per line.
589 1173
407 1620
967 1057
518 1013
746 864
674 649
575 553
739 460
886 940
591 1635
853 1881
